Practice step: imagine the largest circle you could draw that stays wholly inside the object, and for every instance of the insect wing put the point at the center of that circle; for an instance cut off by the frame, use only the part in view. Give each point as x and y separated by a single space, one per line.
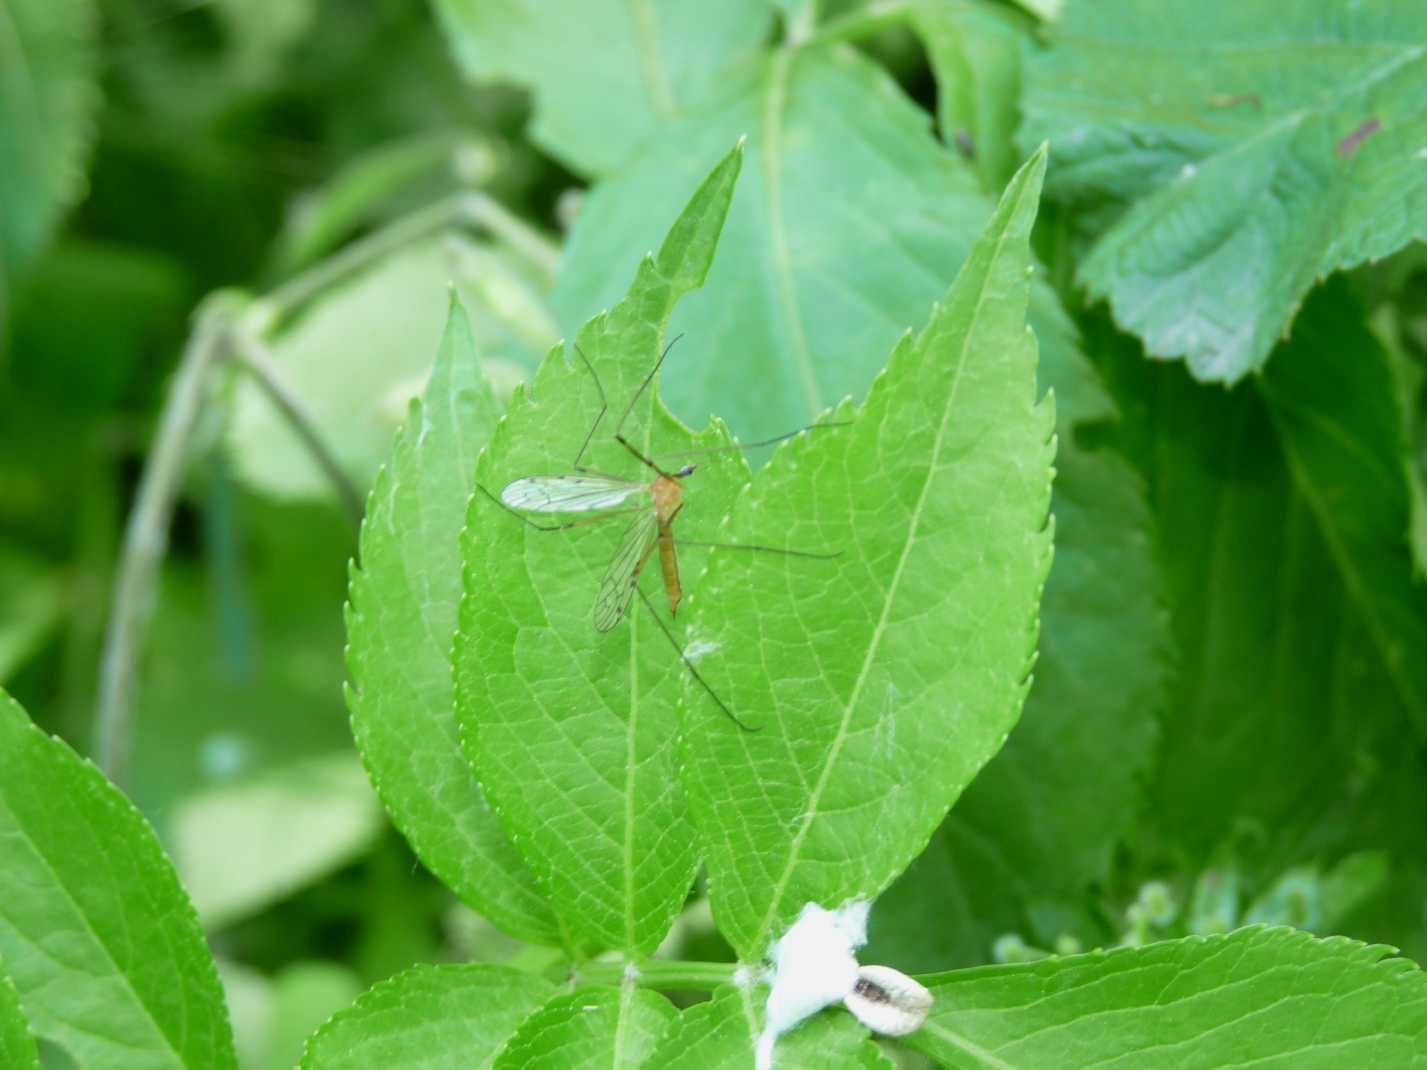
622 576
569 494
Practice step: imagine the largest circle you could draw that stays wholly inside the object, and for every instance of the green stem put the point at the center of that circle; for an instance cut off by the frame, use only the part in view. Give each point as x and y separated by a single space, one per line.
662 974
473 209
257 361
146 534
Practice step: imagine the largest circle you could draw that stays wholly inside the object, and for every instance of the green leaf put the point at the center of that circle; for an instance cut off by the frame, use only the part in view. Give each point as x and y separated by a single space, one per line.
95 929
721 1034
241 845
848 146
975 52
847 224
49 93
1333 401
1283 740
590 1028
400 620
306 995
17 1047
1041 821
651 61
1254 998
572 732
883 681
1256 156
358 356
429 1016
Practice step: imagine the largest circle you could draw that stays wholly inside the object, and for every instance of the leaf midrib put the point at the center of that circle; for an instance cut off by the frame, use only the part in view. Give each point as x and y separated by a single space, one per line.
810 812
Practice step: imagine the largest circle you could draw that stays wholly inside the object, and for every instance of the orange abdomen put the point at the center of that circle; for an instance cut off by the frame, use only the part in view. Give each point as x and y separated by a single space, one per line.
669 564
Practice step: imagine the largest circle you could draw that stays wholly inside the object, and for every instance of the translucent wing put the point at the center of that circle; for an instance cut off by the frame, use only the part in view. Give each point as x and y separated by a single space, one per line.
569 494
622 576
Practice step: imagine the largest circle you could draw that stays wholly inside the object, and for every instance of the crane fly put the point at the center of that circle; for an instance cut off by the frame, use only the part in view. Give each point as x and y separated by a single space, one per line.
656 505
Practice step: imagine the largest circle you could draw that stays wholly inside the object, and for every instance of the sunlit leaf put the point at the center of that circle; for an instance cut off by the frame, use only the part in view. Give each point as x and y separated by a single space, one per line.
883 681
722 1034
95 930
429 1016
572 731
17 1047
594 1028
402 616
1254 998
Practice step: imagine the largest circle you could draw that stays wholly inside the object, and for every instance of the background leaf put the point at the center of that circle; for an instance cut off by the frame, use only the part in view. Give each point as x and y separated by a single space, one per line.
48 95
17 1047
240 846
361 352
590 1027
1256 154
651 60
99 937
429 1016
1333 401
975 51
400 621
1283 741
572 732
880 684
1258 997
849 221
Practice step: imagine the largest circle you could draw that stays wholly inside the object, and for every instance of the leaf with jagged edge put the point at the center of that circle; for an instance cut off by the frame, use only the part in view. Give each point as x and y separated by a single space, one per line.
95 929
572 731
589 1029
1254 154
17 1047
848 145
49 93
400 619
1040 823
881 681
1254 998
722 1033
447 1015
606 74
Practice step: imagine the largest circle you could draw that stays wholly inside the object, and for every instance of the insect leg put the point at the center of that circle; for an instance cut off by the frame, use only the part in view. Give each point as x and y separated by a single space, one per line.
619 427
604 408
690 665
761 549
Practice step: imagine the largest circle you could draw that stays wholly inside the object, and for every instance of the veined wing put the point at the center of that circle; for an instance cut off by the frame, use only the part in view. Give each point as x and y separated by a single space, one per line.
569 494
622 576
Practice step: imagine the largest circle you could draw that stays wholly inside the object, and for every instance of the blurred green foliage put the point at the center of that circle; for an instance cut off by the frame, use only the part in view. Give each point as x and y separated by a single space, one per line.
1230 708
